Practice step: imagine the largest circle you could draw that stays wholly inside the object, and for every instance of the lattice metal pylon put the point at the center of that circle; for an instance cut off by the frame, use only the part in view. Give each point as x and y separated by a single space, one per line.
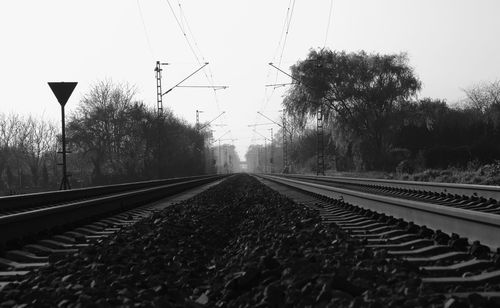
159 94
320 163
159 101
285 143
197 119
271 160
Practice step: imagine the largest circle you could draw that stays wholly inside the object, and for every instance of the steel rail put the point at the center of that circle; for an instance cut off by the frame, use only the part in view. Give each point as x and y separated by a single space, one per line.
480 226
470 190
30 222
29 201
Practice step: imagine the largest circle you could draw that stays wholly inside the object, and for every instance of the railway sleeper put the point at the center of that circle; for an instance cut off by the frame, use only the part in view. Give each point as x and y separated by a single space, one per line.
457 269
12 275
412 245
436 254
447 257
22 256
392 240
52 253
18 262
470 281
6 264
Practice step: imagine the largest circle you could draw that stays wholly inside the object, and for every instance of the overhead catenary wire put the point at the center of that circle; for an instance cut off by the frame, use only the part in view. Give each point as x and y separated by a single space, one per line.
190 39
282 30
328 23
209 76
183 32
285 29
286 33
145 29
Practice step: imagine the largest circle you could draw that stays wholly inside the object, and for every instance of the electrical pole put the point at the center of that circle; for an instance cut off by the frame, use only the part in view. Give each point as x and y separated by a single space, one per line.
285 143
271 161
265 156
159 108
284 131
219 158
320 163
200 128
226 164
227 157
159 100
159 95
265 150
320 155
198 119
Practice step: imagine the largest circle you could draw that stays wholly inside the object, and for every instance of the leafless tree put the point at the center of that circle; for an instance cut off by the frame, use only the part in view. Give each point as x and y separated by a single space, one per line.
40 139
483 96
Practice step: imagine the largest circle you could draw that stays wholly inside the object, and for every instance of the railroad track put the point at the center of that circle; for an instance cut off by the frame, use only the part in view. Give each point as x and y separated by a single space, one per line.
454 247
480 198
38 228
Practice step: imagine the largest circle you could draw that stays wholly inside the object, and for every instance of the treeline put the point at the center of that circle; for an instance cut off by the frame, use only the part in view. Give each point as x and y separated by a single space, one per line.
374 121
28 153
112 137
224 158
116 138
265 159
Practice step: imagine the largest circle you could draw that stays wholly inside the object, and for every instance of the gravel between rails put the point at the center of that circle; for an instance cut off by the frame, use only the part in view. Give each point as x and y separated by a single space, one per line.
239 244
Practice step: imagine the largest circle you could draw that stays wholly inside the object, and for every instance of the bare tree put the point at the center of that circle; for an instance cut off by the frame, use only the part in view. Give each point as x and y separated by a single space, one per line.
483 96
41 138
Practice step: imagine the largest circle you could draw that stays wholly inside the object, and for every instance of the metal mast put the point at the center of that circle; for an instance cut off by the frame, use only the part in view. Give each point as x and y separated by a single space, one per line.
198 119
285 143
320 155
271 161
159 100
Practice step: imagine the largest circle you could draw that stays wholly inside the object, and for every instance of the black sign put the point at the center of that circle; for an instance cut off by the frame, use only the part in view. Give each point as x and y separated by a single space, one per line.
62 90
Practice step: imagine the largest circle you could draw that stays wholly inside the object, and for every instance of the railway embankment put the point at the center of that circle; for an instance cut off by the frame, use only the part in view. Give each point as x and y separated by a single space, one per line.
238 244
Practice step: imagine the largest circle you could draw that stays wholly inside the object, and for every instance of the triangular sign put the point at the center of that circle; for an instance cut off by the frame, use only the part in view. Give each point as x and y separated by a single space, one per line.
62 90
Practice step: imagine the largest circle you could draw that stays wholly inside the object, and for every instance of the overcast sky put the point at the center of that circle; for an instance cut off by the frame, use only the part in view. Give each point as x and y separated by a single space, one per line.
452 44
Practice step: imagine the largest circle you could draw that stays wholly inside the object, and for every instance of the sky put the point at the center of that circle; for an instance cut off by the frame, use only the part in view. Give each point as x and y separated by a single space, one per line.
451 44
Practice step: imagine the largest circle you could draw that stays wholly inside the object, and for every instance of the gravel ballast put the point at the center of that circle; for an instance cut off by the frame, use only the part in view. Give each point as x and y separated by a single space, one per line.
238 244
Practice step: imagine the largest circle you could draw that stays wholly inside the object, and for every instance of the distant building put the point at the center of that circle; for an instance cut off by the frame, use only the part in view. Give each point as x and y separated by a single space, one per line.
243 166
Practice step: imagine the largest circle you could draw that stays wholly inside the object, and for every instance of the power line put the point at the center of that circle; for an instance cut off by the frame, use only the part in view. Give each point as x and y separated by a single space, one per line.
281 43
286 33
145 29
183 32
328 24
194 47
282 30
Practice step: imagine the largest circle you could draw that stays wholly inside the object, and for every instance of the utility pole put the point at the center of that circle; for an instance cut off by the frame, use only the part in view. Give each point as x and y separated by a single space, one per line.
258 156
226 161
219 158
265 155
198 119
227 158
159 95
285 143
200 128
159 108
320 163
320 149
265 150
271 160
284 131
159 100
